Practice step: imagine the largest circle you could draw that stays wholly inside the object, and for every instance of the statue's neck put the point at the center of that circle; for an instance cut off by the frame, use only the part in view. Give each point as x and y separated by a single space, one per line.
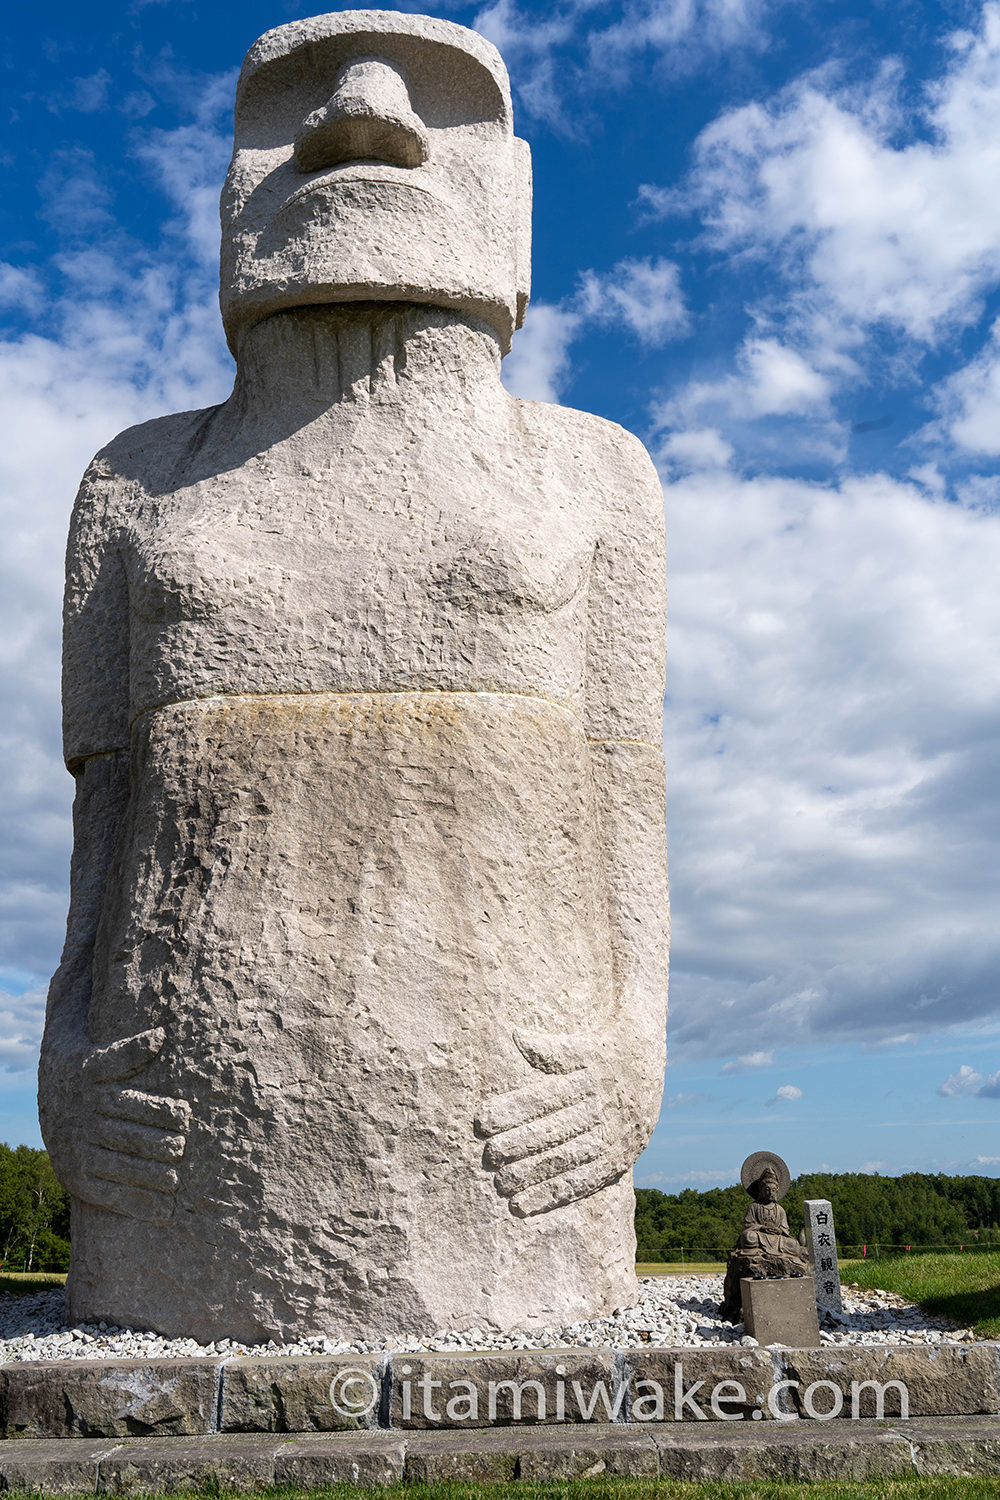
314 363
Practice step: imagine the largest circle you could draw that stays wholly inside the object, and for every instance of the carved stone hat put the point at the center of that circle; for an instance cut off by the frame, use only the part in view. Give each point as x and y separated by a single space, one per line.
754 1166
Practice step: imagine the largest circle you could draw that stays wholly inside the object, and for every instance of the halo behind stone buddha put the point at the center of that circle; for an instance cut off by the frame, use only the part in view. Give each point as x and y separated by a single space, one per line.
755 1164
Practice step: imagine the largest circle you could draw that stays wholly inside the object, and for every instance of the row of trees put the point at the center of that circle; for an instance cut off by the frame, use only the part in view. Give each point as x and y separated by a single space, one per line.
917 1208
34 1213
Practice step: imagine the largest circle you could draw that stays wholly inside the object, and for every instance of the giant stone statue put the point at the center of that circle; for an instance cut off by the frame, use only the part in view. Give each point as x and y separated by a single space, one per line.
359 1025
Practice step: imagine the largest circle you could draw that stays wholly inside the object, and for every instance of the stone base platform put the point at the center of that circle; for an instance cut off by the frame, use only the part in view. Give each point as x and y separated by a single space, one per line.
118 1426
119 1398
798 1450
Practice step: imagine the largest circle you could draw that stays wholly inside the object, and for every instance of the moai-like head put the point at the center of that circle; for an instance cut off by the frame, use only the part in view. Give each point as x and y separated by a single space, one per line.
375 160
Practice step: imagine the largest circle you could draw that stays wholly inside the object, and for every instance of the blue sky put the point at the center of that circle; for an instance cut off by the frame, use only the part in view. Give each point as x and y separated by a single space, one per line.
767 239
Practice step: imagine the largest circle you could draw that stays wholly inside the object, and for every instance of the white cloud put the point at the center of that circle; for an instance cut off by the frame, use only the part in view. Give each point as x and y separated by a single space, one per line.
91 93
21 1029
968 403
122 333
641 294
876 239
538 365
965 1081
690 1179
683 30
897 233
644 294
694 448
749 1061
21 288
831 732
190 162
786 1094
771 380
779 382
968 1081
564 51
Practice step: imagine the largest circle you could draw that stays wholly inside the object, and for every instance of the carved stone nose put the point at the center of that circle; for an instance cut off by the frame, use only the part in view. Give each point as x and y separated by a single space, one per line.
367 118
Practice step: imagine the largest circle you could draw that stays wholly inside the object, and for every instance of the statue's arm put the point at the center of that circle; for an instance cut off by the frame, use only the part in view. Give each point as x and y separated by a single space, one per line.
600 1101
107 1142
95 742
626 662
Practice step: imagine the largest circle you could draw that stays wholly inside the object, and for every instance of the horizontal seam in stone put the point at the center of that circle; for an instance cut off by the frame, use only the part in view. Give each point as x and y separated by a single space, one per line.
155 708
81 760
647 744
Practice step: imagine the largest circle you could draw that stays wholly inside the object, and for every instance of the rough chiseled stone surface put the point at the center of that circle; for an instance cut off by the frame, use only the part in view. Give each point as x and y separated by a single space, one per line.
360 1019
441 1390
294 1395
781 1311
707 1452
173 1397
938 1382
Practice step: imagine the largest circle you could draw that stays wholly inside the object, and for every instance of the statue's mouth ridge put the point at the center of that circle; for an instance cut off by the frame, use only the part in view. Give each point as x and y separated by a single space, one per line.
378 173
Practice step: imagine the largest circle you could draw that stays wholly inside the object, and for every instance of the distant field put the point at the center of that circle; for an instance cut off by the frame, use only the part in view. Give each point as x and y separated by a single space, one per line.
15 1283
964 1287
677 1268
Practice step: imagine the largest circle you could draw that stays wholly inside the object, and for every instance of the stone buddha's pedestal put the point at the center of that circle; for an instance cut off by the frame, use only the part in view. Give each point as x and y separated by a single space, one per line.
781 1311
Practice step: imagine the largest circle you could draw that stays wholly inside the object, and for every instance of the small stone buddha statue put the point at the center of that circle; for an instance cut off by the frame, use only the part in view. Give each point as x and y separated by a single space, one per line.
765 1249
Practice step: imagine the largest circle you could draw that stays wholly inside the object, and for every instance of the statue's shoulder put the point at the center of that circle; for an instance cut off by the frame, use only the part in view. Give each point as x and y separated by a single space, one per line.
148 456
615 458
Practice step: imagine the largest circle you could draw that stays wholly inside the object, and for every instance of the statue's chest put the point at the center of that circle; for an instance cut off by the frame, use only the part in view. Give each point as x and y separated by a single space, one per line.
366 548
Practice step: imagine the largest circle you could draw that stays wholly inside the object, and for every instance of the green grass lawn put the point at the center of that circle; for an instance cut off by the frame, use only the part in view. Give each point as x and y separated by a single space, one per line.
965 1287
915 1488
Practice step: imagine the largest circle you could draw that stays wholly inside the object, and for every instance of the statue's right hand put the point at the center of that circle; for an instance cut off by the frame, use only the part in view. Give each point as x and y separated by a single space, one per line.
126 1139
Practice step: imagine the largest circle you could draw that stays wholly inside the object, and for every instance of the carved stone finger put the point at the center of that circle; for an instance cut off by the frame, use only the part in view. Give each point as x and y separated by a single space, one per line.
557 1191
145 1141
533 1169
144 1109
551 1052
117 1166
520 1106
542 1135
130 1202
122 1059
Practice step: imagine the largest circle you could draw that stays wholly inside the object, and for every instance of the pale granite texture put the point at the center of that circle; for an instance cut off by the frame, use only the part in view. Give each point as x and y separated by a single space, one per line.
360 1023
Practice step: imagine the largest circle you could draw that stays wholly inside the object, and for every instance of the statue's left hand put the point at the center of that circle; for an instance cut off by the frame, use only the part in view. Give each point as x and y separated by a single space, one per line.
133 1137
553 1140
113 1144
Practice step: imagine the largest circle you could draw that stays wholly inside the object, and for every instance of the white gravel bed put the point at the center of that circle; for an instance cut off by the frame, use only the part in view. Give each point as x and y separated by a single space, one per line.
671 1312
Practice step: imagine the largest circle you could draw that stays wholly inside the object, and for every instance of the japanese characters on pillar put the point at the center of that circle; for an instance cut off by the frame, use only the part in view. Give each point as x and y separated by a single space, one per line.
822 1245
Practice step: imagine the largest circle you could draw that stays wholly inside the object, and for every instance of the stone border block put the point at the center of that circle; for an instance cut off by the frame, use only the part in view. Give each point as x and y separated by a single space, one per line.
621 1451
151 1465
51 1466
799 1450
954 1380
482 1455
107 1398
712 1451
316 1394
369 1459
529 1386
678 1385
